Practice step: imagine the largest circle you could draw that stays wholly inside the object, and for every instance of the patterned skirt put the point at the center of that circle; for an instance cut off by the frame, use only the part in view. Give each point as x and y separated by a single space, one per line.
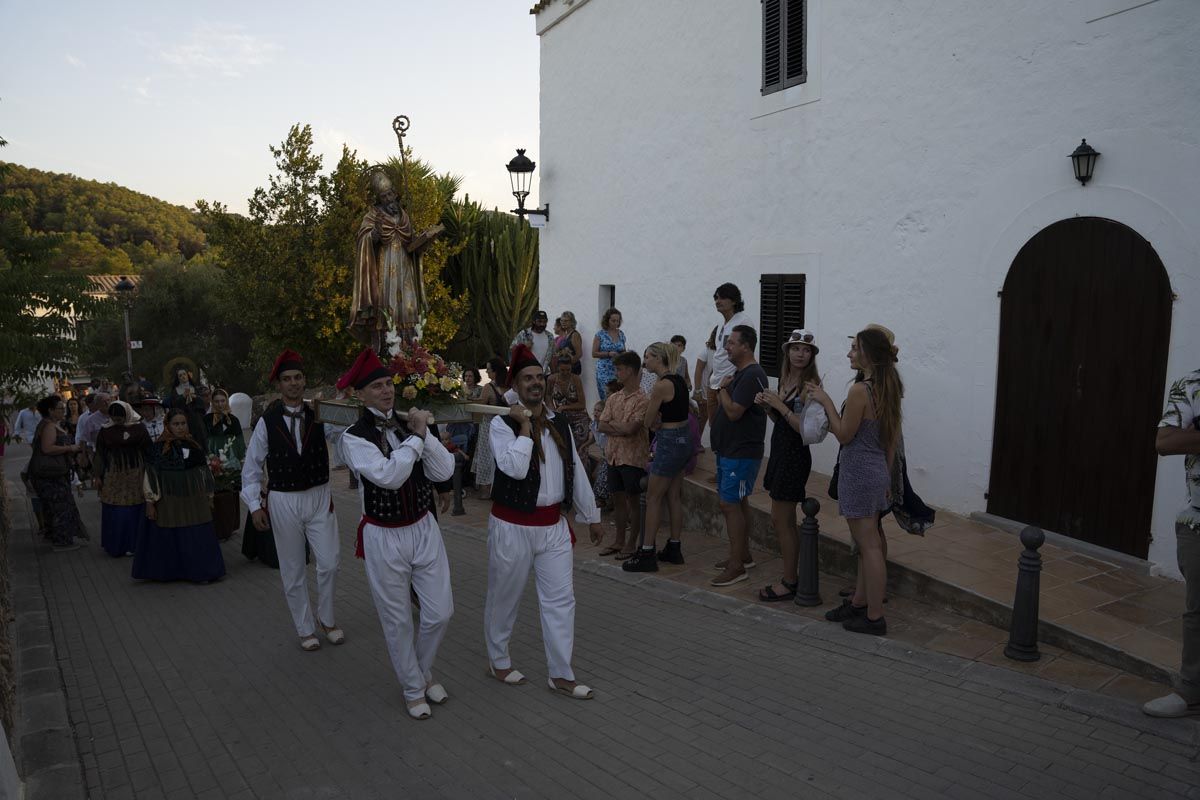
59 510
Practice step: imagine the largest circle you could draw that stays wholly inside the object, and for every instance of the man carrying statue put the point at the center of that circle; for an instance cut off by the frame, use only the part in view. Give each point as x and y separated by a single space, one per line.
389 293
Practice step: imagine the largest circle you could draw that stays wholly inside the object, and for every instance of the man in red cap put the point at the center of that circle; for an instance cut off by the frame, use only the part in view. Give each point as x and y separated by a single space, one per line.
397 462
291 444
539 477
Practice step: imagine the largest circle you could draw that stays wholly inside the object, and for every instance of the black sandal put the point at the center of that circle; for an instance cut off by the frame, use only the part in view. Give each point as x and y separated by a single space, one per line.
767 594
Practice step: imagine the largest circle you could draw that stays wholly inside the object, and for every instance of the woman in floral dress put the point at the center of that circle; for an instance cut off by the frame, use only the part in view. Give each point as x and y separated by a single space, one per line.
607 344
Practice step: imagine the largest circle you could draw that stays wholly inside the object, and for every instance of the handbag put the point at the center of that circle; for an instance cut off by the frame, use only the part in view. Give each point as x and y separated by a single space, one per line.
814 423
833 479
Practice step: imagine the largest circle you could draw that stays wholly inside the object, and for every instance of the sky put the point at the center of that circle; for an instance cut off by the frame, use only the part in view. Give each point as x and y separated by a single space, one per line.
181 100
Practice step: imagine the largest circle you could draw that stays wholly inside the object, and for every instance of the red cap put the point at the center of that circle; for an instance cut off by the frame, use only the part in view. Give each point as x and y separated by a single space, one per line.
367 367
288 359
522 358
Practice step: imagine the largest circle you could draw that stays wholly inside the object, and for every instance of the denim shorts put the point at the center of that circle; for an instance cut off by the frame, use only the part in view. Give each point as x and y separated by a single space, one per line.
736 477
672 449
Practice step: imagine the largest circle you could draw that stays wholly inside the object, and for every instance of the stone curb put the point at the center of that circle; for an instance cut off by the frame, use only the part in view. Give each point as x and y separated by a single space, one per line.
835 557
833 637
44 745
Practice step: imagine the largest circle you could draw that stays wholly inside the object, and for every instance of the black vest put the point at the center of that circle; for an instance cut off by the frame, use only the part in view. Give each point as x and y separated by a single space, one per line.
287 470
402 506
522 495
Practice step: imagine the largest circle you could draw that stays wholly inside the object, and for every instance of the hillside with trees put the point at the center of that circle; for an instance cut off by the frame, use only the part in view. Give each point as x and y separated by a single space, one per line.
101 228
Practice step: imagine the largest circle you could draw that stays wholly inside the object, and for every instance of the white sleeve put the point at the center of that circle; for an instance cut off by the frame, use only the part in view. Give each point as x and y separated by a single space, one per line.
512 452
252 467
437 460
386 472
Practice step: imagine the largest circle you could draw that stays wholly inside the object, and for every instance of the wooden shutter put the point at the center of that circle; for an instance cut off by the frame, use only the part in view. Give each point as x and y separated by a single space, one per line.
796 43
772 45
785 44
781 304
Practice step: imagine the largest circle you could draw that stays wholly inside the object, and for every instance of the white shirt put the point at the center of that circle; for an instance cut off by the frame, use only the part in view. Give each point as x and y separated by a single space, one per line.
717 359
390 472
513 452
26 424
256 456
87 412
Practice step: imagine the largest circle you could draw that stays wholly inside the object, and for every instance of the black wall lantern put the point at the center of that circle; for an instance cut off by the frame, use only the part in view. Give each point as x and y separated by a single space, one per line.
1084 161
520 171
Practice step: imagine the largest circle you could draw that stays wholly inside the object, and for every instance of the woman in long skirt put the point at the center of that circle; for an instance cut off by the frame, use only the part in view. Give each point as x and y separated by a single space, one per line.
121 450
179 542
50 474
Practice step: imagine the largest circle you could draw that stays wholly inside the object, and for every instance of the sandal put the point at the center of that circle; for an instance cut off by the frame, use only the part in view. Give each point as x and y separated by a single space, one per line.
335 635
608 551
768 595
513 678
626 556
576 692
419 709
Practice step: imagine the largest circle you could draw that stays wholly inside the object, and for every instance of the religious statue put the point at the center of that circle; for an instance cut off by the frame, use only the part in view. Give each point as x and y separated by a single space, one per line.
389 293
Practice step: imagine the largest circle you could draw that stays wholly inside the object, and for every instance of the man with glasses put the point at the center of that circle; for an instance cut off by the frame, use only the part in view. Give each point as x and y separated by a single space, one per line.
738 432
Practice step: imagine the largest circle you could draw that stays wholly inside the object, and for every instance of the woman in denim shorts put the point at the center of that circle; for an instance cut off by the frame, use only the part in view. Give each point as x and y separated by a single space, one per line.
667 415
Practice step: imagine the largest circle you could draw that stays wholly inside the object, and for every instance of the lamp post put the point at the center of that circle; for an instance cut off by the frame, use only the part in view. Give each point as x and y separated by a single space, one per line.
125 289
520 171
1083 159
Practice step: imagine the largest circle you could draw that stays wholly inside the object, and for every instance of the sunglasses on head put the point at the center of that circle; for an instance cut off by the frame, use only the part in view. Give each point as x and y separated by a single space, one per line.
802 338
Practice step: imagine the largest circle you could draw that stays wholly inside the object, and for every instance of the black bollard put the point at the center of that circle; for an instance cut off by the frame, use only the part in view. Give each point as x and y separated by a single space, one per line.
458 509
1023 631
807 579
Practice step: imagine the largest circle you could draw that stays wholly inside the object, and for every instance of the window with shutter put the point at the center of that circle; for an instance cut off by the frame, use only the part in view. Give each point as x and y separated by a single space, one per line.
781 304
785 46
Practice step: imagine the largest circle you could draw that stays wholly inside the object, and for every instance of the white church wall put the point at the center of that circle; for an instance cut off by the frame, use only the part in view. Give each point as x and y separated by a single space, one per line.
902 180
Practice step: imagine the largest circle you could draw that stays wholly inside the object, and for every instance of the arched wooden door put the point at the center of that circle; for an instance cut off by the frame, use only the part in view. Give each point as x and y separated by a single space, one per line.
1085 324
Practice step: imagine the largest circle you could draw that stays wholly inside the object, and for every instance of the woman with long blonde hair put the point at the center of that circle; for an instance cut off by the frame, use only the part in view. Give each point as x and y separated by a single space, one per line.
666 415
868 430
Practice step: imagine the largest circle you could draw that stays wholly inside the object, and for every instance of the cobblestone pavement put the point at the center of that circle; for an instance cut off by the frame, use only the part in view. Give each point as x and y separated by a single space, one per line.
177 690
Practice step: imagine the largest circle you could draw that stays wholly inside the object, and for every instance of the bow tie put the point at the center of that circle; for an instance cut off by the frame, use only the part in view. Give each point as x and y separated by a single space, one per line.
386 424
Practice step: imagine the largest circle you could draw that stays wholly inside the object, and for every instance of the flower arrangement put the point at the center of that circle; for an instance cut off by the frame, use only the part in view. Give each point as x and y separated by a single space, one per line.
424 378
226 468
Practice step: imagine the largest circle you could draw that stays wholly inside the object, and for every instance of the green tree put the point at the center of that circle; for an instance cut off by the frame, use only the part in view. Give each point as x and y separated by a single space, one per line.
291 262
181 309
110 228
38 308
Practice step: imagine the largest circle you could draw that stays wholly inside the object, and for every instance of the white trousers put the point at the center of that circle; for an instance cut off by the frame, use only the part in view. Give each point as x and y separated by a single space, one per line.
396 559
297 517
512 550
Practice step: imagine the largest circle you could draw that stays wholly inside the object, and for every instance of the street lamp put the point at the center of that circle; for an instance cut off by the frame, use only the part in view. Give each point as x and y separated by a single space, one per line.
1083 159
125 289
520 171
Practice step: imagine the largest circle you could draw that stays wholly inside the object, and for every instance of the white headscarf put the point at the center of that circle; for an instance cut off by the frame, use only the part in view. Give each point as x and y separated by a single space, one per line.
131 416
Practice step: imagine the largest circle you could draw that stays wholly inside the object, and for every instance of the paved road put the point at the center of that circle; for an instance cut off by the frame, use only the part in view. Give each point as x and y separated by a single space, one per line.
178 690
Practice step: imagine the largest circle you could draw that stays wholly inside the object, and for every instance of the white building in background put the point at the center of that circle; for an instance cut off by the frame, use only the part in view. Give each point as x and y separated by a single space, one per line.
906 163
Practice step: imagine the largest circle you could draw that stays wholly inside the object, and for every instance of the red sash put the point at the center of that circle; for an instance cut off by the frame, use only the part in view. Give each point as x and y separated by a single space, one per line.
541 517
365 521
